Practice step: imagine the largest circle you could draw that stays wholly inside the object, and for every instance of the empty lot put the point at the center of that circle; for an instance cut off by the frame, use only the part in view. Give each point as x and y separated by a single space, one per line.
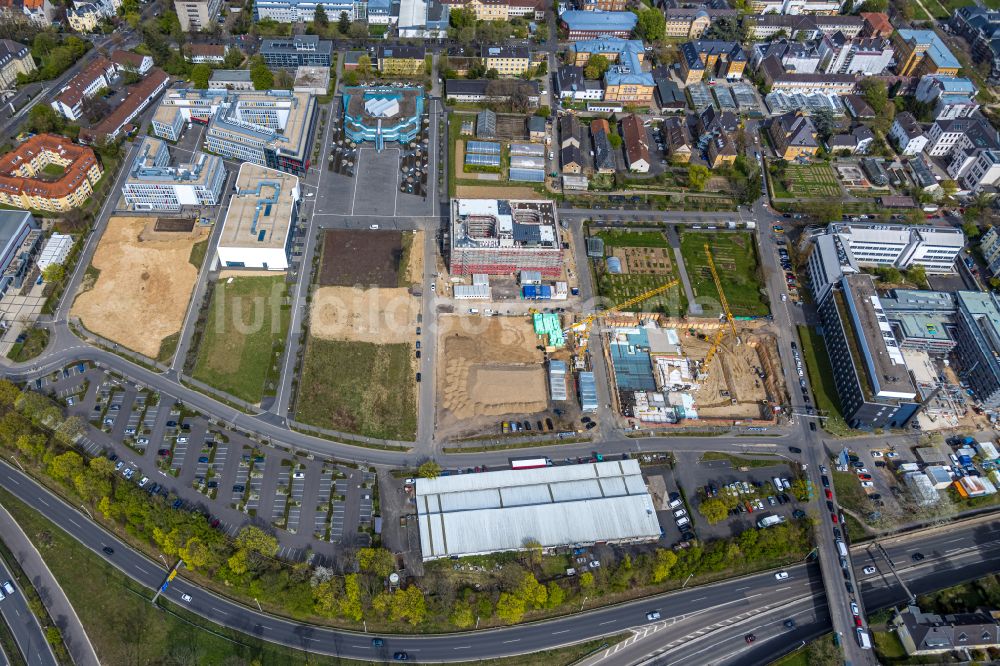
367 258
145 281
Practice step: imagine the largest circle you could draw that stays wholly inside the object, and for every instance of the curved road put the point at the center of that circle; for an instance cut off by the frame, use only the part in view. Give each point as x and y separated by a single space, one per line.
951 554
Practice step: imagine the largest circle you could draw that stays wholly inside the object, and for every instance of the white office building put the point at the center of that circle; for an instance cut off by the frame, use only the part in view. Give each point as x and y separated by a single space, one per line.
262 213
935 248
154 185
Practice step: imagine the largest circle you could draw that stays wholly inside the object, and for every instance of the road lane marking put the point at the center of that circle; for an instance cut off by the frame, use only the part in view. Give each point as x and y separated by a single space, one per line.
42 500
76 523
787 587
564 631
740 589
514 640
462 647
608 622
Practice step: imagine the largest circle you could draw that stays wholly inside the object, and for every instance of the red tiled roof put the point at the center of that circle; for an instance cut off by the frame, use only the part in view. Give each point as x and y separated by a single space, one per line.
207 50
135 97
82 160
73 93
127 59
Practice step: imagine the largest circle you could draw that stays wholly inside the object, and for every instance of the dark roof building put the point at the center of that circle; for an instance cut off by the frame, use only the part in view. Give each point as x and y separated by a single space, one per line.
931 634
296 51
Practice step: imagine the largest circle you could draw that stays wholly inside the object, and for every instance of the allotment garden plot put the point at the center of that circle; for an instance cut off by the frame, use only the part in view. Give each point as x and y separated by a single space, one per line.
804 181
634 263
735 257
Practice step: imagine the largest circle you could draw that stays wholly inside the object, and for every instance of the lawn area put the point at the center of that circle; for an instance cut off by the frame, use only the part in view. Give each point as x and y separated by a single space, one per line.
737 461
735 258
53 171
810 181
618 288
359 387
824 391
198 251
617 238
244 335
850 494
35 340
992 4
887 647
126 629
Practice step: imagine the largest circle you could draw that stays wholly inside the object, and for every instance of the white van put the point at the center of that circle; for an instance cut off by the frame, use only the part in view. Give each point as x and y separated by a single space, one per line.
841 548
864 640
683 522
680 513
676 503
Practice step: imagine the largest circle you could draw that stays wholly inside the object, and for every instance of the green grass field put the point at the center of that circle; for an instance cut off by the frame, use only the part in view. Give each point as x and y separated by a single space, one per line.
807 181
735 260
620 288
35 340
359 387
824 391
244 336
126 629
616 238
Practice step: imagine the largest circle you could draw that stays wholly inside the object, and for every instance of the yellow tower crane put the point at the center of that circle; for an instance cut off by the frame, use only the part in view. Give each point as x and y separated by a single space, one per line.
582 328
725 308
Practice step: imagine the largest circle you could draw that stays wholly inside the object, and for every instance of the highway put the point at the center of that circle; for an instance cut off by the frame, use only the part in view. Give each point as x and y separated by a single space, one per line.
24 625
952 554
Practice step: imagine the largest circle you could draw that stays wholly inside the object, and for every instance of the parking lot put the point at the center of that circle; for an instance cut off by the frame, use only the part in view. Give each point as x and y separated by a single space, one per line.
312 504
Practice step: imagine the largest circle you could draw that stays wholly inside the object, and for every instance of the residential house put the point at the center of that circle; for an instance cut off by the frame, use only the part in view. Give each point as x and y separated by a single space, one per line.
128 61
721 151
800 57
712 57
677 139
907 133
84 18
508 61
571 85
856 142
857 107
980 27
213 54
589 25
402 60
877 24
691 22
945 137
600 140
713 121
537 128
928 634
636 144
952 96
96 76
920 52
15 59
230 79
570 131
571 159
793 136
669 95
976 170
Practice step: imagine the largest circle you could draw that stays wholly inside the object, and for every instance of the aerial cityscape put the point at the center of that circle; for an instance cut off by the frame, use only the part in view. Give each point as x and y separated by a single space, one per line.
505 332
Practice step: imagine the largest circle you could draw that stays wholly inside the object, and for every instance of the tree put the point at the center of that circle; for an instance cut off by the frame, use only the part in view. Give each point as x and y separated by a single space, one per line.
615 139
43 119
350 604
663 564
556 594
875 93
652 25
376 561
971 229
364 67
698 175
877 6
260 74
429 470
714 510
492 74
54 273
889 274
726 28
510 607
234 58
531 591
586 581
825 123
596 66
320 20
343 23
8 393
70 430
917 274
65 466
461 614
462 18
408 605
200 74
257 540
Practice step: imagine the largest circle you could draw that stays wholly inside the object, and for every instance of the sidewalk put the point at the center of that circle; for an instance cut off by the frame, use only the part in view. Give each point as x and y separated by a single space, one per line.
53 597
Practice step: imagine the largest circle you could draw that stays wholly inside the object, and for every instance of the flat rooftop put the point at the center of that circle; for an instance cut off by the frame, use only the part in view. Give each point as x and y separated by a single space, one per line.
471 514
503 223
260 213
881 353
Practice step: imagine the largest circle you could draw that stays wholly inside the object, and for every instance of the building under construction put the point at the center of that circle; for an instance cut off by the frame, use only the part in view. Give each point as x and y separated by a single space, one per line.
502 237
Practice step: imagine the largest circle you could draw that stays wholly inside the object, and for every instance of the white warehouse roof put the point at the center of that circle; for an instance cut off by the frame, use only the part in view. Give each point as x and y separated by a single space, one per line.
473 514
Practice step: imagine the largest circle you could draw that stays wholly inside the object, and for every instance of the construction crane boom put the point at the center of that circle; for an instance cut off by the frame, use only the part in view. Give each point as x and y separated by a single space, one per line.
585 323
718 286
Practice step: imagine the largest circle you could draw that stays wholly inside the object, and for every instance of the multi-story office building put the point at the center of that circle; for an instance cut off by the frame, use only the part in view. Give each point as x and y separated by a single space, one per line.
871 376
827 7
589 25
977 352
952 96
691 22
296 51
989 245
921 320
383 114
230 79
724 59
862 55
501 237
303 11
153 185
257 232
920 52
21 171
271 128
934 248
195 15
19 241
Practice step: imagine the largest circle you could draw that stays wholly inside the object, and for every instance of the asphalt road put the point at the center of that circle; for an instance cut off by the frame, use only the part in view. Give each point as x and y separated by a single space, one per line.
24 625
952 554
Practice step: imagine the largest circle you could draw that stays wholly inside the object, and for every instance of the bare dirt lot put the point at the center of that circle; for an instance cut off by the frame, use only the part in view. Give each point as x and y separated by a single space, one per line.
368 258
488 366
415 263
381 316
488 192
733 374
145 282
